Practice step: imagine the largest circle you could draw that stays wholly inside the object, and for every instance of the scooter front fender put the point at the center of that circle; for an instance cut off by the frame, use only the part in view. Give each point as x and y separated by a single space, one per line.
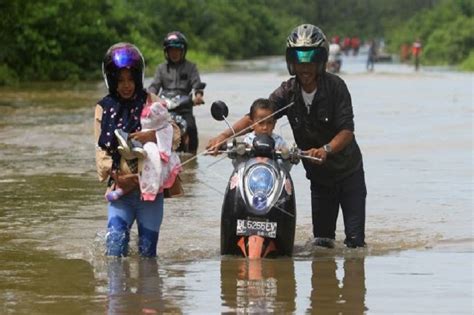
254 246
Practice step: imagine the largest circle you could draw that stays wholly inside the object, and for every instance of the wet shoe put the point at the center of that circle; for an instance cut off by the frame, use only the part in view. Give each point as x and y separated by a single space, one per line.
122 138
354 243
324 242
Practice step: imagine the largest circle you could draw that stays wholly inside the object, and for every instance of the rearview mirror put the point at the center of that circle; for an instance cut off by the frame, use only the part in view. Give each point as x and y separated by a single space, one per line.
201 86
219 110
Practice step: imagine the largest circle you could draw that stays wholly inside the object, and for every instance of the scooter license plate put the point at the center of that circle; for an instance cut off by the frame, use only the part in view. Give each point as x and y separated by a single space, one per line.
261 228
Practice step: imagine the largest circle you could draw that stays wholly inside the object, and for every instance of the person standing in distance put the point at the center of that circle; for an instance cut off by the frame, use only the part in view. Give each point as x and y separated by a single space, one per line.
371 55
319 108
179 76
416 49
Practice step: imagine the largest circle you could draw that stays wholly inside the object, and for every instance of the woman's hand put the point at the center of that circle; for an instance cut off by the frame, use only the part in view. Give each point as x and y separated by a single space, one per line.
144 136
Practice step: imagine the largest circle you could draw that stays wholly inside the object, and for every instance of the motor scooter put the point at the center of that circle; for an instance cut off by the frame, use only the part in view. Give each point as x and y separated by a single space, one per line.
258 215
334 59
178 106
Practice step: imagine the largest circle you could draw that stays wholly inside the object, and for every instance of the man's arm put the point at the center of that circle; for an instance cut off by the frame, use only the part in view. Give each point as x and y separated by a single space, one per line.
338 143
240 127
195 83
341 140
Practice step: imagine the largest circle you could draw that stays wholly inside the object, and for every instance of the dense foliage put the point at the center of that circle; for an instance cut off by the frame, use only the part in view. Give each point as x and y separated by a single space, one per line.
446 32
66 39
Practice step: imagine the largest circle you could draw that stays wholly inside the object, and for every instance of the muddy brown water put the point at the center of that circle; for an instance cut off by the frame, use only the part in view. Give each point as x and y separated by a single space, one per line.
415 131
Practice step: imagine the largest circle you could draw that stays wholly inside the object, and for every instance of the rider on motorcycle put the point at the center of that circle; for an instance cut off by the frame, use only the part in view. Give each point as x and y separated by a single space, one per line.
179 76
334 57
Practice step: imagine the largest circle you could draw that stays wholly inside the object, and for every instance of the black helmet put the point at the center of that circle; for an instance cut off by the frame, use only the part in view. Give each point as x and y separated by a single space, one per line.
123 56
307 43
177 40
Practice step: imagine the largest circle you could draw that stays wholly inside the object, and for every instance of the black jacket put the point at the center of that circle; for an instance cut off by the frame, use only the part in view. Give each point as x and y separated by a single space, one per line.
330 112
181 78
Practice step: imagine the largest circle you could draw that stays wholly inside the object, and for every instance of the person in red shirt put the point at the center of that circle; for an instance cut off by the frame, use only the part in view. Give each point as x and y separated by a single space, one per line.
346 45
355 43
416 52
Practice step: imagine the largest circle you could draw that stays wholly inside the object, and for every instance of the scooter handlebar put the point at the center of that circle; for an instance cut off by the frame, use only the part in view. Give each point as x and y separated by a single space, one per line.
240 149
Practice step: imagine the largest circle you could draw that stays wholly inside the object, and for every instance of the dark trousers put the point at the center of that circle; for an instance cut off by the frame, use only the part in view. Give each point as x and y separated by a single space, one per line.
417 62
191 130
350 194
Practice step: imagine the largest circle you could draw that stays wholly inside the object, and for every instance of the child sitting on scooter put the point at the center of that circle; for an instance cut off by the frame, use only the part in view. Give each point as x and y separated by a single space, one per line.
263 123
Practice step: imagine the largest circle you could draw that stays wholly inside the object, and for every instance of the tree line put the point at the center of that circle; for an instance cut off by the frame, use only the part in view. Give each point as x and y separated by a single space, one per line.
446 31
66 39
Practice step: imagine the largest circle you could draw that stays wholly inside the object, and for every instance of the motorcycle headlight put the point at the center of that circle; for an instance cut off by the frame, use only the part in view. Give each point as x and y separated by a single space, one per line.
260 183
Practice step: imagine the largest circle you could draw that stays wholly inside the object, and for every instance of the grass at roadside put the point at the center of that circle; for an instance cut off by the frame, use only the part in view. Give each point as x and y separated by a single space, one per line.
468 63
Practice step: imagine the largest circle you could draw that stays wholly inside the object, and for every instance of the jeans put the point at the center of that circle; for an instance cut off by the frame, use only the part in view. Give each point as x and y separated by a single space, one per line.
350 194
121 215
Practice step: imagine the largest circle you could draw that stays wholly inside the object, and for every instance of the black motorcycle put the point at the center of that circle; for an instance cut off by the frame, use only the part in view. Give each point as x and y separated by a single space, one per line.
258 216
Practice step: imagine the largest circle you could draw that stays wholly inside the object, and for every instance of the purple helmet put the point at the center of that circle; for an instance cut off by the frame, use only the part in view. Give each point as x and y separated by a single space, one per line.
123 56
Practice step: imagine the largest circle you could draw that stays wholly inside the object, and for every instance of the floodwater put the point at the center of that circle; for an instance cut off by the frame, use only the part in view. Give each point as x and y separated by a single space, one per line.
416 134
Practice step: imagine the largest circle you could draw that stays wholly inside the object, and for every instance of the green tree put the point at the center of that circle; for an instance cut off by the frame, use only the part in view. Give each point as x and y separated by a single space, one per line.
66 39
445 30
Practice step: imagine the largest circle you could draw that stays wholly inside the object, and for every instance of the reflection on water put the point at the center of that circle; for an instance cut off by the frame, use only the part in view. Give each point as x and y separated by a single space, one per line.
135 287
330 294
337 286
258 286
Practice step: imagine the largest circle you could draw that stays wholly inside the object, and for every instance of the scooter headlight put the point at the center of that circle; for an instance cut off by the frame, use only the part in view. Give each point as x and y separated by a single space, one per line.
260 183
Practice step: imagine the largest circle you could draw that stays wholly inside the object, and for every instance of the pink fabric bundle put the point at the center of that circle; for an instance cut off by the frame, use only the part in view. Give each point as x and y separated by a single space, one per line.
162 165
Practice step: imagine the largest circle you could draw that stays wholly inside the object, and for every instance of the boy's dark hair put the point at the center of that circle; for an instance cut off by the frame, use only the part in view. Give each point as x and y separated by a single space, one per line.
261 103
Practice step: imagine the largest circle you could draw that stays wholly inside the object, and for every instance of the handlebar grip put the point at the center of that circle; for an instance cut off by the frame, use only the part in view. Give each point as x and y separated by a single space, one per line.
310 157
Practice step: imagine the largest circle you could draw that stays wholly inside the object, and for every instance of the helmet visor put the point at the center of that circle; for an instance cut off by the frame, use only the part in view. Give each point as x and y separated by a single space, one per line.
125 57
174 44
305 55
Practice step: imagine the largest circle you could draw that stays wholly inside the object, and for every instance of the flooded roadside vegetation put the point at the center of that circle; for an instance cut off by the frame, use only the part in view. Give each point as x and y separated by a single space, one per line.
415 130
